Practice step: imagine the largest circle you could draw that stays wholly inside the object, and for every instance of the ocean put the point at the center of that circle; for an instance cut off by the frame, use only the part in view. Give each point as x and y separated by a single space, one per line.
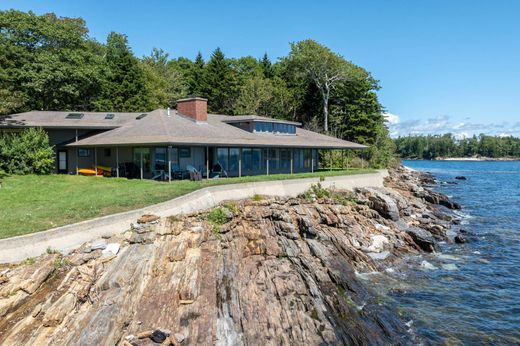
469 294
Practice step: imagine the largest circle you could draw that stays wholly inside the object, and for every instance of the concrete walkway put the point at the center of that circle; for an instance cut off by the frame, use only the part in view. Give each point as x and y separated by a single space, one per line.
67 238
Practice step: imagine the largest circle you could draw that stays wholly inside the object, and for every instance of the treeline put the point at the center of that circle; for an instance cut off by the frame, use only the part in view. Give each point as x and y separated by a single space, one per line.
51 63
446 146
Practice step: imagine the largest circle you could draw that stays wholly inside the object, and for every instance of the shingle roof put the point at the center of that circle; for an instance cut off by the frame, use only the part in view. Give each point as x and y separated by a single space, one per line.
52 119
159 128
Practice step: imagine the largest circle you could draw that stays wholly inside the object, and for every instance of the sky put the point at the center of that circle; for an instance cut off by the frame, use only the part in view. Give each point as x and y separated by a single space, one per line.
444 66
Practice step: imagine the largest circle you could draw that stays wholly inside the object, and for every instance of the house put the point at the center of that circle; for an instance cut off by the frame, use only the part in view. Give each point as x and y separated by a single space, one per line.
149 145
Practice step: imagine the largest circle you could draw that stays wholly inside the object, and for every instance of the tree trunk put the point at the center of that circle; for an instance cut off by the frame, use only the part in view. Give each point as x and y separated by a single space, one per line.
326 110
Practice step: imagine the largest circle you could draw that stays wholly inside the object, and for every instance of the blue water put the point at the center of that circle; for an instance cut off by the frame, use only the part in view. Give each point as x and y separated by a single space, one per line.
472 296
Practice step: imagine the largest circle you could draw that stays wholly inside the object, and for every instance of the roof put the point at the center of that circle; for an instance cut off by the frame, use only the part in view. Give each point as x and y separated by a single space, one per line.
157 128
52 119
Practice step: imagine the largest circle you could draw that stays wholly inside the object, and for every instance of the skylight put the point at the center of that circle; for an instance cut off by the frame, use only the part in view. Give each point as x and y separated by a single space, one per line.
74 116
139 117
110 116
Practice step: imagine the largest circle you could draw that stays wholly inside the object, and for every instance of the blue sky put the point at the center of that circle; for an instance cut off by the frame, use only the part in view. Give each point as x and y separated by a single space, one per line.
443 65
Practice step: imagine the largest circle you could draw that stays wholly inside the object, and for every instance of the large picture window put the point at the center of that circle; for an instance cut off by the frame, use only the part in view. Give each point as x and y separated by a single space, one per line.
83 152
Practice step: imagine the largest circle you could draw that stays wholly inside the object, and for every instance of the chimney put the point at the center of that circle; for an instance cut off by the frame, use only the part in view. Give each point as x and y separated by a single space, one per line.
195 108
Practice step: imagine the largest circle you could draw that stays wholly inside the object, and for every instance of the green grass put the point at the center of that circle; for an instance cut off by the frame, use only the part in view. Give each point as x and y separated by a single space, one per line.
35 203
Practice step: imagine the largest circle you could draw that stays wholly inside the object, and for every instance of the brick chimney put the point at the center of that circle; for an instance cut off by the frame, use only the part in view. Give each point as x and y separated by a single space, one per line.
195 108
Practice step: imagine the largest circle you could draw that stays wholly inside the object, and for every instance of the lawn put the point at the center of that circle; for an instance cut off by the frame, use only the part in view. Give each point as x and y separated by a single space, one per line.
35 203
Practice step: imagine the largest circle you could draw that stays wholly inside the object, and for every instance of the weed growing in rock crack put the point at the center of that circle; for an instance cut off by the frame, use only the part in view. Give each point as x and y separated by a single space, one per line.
217 217
316 191
231 206
257 198
29 261
61 262
173 218
344 198
51 251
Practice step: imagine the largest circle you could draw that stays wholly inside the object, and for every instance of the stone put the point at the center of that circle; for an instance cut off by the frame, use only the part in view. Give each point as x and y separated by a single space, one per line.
378 243
158 336
147 218
461 177
423 239
179 337
99 244
383 204
145 334
460 239
111 249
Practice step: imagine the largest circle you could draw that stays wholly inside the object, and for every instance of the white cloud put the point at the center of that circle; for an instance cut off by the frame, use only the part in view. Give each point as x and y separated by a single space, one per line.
445 124
392 118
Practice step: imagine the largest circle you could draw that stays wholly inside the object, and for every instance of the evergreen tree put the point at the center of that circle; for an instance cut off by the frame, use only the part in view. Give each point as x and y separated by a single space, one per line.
123 89
267 67
220 84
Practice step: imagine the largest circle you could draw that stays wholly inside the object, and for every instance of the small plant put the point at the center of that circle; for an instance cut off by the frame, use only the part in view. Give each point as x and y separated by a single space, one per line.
344 198
51 251
217 216
29 261
60 262
257 198
173 218
231 206
316 191
322 178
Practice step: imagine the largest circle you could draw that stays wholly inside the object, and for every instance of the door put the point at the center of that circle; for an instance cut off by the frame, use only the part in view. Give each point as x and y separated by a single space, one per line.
62 161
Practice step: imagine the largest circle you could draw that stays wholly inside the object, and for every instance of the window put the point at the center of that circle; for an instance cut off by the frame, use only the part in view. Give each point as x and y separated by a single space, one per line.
82 152
261 126
256 159
233 160
142 155
160 159
108 152
285 159
185 152
222 157
74 116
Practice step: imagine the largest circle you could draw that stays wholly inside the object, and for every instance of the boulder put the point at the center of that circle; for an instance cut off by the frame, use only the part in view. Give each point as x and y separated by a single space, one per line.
460 239
147 218
422 238
383 204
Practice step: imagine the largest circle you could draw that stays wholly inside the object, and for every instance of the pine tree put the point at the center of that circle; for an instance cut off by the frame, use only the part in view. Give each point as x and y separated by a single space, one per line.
267 67
220 84
124 87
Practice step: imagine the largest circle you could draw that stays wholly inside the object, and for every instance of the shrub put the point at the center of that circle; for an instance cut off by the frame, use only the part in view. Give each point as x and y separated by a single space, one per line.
26 152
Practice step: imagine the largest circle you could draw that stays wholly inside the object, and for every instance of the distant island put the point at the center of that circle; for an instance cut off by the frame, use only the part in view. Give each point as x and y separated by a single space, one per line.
447 147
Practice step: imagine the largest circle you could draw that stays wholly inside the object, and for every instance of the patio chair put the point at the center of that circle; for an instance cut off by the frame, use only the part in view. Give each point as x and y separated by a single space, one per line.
217 171
194 173
158 174
176 172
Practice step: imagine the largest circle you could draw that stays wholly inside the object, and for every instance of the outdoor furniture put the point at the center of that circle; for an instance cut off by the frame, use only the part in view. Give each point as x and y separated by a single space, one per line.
217 171
176 172
194 173
129 170
158 174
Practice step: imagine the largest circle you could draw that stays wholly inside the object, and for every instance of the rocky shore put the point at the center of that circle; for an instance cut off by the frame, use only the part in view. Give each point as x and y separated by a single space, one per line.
264 271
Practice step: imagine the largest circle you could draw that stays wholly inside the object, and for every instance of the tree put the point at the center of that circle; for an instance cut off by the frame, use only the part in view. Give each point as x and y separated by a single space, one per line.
324 67
267 67
26 152
46 62
124 88
165 84
220 84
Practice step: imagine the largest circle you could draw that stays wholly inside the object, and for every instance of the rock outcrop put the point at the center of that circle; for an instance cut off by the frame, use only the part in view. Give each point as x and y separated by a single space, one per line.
279 271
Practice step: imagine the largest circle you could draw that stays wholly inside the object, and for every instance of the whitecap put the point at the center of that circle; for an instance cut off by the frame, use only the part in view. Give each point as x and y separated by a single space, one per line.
449 266
427 265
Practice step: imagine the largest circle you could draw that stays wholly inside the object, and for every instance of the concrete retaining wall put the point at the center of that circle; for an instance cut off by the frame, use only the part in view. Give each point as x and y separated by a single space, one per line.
67 238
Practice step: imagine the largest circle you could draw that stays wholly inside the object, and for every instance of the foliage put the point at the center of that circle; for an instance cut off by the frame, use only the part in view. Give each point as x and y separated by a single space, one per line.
316 191
26 152
51 63
445 146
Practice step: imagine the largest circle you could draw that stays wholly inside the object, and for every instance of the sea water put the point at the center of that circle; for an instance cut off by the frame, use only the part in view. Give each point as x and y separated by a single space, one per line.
469 294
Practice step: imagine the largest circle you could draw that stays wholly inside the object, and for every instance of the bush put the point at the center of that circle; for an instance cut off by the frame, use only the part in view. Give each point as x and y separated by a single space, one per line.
26 152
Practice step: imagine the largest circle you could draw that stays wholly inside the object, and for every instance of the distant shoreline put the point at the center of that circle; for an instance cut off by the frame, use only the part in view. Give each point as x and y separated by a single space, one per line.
469 159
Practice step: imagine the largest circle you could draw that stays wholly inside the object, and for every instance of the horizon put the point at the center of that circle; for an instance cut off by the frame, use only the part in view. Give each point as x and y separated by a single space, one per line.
443 67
